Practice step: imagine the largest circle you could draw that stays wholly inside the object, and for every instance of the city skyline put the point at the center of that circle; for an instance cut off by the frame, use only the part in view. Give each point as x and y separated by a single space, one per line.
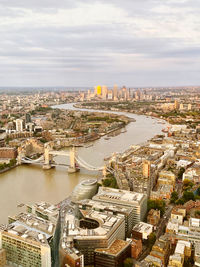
145 43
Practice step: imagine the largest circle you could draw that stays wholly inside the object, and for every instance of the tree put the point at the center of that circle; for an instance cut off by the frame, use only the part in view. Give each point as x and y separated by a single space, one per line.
156 205
174 197
128 262
188 195
180 201
187 184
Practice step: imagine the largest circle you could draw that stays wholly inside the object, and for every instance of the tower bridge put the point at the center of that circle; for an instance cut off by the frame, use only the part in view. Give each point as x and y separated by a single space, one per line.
47 161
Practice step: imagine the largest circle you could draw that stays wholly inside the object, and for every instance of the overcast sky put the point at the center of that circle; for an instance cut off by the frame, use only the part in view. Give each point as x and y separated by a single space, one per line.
88 42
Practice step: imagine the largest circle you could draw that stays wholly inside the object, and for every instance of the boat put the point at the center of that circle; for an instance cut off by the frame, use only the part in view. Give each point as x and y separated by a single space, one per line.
106 138
89 145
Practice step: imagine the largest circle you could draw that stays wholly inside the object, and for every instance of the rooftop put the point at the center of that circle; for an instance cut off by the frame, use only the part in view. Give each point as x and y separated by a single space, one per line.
127 197
115 248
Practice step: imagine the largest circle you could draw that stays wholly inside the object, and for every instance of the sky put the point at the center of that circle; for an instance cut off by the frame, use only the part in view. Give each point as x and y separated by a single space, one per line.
89 42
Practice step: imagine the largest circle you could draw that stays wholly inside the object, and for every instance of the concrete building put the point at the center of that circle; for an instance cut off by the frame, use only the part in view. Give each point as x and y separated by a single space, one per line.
44 210
197 254
137 201
142 230
114 255
136 248
26 241
127 212
161 249
153 217
2 257
91 229
178 214
19 125
115 92
8 153
104 92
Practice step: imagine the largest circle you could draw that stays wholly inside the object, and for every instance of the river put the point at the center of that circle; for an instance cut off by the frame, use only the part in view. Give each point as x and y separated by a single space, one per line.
30 184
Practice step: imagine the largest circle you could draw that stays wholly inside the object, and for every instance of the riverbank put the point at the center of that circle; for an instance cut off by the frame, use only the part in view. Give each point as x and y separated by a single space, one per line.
30 184
8 169
108 109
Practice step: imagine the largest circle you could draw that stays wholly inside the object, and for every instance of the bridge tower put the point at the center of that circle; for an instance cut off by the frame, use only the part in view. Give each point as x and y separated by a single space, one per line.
72 156
19 156
47 158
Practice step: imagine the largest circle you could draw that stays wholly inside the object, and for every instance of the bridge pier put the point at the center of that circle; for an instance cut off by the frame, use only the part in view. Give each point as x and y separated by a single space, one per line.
72 168
47 159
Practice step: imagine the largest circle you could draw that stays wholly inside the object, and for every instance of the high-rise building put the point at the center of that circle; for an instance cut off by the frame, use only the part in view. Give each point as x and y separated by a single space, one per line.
28 117
110 94
19 125
98 90
104 92
26 241
115 92
124 198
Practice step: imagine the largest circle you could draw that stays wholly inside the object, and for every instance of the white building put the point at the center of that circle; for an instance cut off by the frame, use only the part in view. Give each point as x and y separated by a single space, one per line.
19 125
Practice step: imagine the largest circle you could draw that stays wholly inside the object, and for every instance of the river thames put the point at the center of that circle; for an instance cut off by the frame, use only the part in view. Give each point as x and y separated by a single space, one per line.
29 184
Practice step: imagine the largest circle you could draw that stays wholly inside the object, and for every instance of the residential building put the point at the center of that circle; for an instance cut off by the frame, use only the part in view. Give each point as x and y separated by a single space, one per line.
136 248
142 230
153 217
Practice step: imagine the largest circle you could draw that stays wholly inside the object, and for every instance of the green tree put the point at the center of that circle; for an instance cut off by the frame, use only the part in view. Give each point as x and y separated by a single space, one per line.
156 204
174 197
128 262
188 195
180 201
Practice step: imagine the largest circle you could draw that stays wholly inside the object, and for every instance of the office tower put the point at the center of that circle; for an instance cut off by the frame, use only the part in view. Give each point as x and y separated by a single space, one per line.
104 92
110 94
26 241
28 117
127 212
19 125
124 93
115 92
124 198
93 229
98 90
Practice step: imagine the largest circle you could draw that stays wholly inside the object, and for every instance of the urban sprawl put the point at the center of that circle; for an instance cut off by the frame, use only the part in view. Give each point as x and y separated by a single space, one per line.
145 208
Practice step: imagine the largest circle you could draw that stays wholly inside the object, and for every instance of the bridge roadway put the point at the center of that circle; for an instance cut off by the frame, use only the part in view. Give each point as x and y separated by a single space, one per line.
80 161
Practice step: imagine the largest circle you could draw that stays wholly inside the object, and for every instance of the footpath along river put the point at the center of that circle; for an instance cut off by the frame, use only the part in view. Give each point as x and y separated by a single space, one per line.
29 183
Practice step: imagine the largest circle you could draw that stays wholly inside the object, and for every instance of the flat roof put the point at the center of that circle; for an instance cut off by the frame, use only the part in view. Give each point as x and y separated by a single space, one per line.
125 196
115 248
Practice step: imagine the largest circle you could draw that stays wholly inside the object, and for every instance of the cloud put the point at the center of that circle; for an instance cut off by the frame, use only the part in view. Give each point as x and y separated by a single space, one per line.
74 40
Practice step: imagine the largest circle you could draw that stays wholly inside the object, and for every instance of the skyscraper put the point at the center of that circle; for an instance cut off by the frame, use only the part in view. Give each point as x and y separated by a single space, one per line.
98 90
104 92
115 91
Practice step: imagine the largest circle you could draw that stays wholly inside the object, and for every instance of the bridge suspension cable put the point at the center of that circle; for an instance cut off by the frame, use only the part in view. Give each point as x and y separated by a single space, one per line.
86 165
